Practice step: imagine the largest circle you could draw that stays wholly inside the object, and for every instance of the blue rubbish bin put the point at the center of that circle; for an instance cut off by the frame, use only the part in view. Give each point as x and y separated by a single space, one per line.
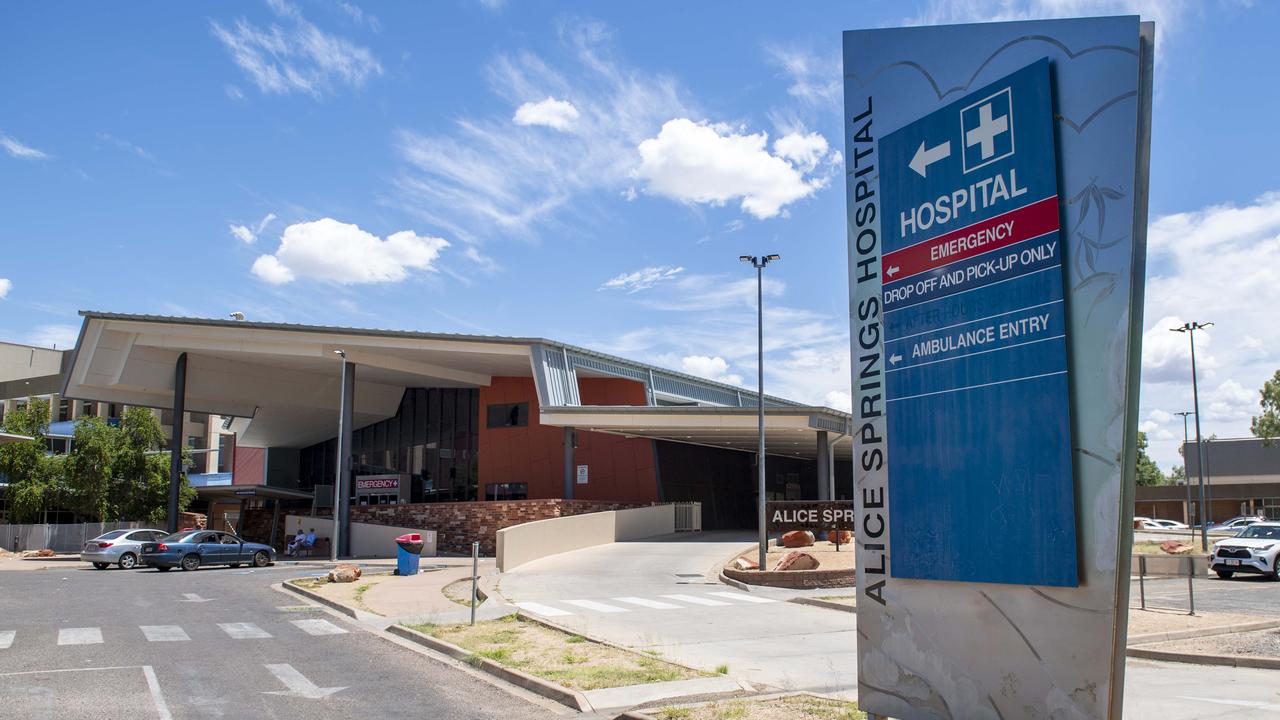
408 552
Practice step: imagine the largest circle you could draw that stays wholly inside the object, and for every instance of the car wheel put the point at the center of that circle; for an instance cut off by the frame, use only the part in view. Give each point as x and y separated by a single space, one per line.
163 568
1225 574
261 559
1275 568
128 561
101 566
190 562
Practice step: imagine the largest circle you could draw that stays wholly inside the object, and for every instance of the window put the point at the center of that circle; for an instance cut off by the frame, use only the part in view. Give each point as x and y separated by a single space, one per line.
506 491
508 415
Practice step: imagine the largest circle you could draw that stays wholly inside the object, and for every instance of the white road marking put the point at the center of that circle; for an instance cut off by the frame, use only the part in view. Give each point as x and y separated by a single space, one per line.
164 633
1256 704
645 602
741 596
6 638
597 606
540 609
299 685
80 636
192 597
318 627
243 631
695 600
153 684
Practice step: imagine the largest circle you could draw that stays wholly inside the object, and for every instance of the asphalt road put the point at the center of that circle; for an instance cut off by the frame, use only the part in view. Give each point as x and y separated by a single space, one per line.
1250 594
216 643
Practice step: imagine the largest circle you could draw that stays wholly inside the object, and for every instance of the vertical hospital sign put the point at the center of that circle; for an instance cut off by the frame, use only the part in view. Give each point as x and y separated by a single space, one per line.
975 339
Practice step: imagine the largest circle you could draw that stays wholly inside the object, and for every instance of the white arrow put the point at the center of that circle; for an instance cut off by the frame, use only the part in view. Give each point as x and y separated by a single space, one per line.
192 597
299 686
893 270
924 158
895 358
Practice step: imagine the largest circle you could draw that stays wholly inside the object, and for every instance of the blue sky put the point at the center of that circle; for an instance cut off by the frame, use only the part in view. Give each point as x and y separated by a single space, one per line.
587 172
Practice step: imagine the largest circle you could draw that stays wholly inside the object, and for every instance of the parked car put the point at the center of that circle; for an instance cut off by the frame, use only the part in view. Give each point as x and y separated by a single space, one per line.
189 549
1173 524
1146 523
1255 549
1236 523
118 547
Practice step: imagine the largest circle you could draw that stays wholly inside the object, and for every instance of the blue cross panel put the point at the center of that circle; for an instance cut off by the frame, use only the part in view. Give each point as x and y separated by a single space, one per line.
978 420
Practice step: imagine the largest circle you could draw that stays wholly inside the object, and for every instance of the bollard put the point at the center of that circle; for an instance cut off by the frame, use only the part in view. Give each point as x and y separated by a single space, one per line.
1142 580
475 577
1191 584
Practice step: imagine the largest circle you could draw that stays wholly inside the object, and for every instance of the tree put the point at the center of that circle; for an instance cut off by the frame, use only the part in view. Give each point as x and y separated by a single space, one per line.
1267 424
1148 472
34 484
1178 475
88 469
142 473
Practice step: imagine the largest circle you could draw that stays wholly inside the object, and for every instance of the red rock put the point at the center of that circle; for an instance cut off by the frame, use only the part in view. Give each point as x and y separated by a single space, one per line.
797 561
1176 547
344 574
797 539
846 536
745 564
45 553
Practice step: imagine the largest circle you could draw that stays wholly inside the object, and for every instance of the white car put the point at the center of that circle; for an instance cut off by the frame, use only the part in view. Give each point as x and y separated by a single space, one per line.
1146 523
1173 524
1255 549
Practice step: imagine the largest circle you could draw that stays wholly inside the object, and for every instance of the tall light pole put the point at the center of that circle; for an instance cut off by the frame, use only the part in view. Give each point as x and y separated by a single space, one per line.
1186 480
759 264
337 484
1190 329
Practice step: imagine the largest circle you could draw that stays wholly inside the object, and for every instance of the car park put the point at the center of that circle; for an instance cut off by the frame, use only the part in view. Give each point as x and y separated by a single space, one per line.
191 549
1255 549
118 547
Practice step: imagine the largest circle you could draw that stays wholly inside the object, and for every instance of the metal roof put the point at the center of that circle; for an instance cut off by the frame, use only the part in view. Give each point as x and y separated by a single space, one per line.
1244 457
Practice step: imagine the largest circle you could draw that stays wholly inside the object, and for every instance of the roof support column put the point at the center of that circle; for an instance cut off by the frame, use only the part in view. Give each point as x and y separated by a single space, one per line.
824 466
568 463
176 440
340 545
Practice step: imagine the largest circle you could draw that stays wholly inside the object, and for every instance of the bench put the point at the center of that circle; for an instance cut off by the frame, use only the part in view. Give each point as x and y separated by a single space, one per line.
321 548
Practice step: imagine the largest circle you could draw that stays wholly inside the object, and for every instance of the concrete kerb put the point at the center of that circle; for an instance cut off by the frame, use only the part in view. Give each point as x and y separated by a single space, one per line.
643 713
1241 661
1171 635
819 602
317 597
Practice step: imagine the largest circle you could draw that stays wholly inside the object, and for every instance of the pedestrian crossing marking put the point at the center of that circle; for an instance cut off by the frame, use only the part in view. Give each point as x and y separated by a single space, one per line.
80 636
318 627
645 602
540 609
164 633
741 596
6 638
243 631
597 606
695 600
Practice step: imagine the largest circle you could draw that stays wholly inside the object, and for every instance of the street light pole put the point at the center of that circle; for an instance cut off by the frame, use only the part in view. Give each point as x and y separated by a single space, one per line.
759 264
342 451
1191 328
1185 479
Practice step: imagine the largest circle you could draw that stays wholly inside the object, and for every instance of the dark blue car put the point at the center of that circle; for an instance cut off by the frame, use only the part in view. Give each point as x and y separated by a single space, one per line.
189 549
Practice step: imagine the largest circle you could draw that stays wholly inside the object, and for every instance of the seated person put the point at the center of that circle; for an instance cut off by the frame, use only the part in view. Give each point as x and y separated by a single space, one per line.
310 540
298 540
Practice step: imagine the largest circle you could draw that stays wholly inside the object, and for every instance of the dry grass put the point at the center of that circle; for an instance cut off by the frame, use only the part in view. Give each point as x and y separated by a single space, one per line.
459 591
796 707
569 660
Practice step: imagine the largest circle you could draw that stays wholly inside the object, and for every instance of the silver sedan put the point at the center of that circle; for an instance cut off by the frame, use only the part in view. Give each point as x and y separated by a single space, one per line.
118 547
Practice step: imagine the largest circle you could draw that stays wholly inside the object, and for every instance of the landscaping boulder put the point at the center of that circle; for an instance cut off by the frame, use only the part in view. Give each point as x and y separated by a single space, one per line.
45 553
1176 547
844 536
797 561
797 539
745 564
344 574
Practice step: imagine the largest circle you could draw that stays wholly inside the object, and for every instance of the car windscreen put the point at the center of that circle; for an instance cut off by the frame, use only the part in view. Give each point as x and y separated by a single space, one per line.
111 535
1260 533
180 536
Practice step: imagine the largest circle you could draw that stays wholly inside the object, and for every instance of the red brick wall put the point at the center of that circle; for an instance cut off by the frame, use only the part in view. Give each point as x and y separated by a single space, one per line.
619 468
249 468
458 524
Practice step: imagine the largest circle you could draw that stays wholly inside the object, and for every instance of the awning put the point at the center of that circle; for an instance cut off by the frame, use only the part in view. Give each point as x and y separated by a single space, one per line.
6 438
244 492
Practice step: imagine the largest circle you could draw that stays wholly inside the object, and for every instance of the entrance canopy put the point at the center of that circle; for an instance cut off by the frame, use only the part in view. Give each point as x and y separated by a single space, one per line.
248 492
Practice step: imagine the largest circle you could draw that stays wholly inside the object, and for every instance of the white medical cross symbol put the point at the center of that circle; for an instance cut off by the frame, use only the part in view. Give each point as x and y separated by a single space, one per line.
986 132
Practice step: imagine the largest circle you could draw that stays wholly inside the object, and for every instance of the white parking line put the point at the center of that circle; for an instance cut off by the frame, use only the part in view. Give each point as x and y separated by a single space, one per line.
741 596
597 606
645 602
243 631
80 636
6 638
540 609
164 633
695 600
157 697
318 627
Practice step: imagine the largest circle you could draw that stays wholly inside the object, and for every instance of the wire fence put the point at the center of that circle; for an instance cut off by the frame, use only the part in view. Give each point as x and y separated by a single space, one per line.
60 537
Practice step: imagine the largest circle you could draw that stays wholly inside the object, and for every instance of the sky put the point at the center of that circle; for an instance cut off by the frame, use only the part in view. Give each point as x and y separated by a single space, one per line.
586 172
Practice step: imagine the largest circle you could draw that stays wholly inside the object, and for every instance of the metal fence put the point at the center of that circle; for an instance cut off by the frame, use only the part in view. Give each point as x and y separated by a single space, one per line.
62 537
688 516
1166 587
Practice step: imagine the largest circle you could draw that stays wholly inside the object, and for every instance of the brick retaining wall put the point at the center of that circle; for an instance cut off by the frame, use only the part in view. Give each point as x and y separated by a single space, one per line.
458 524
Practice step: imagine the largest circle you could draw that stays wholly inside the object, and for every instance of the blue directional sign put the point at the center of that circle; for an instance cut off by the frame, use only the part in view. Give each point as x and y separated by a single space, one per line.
975 341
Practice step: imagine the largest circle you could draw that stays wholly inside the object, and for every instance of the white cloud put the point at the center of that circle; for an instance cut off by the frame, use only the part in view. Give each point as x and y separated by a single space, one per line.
19 150
360 17
704 163
249 235
5 286
1219 264
127 146
341 253
712 368
552 113
57 336
815 81
297 58
233 91
641 279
